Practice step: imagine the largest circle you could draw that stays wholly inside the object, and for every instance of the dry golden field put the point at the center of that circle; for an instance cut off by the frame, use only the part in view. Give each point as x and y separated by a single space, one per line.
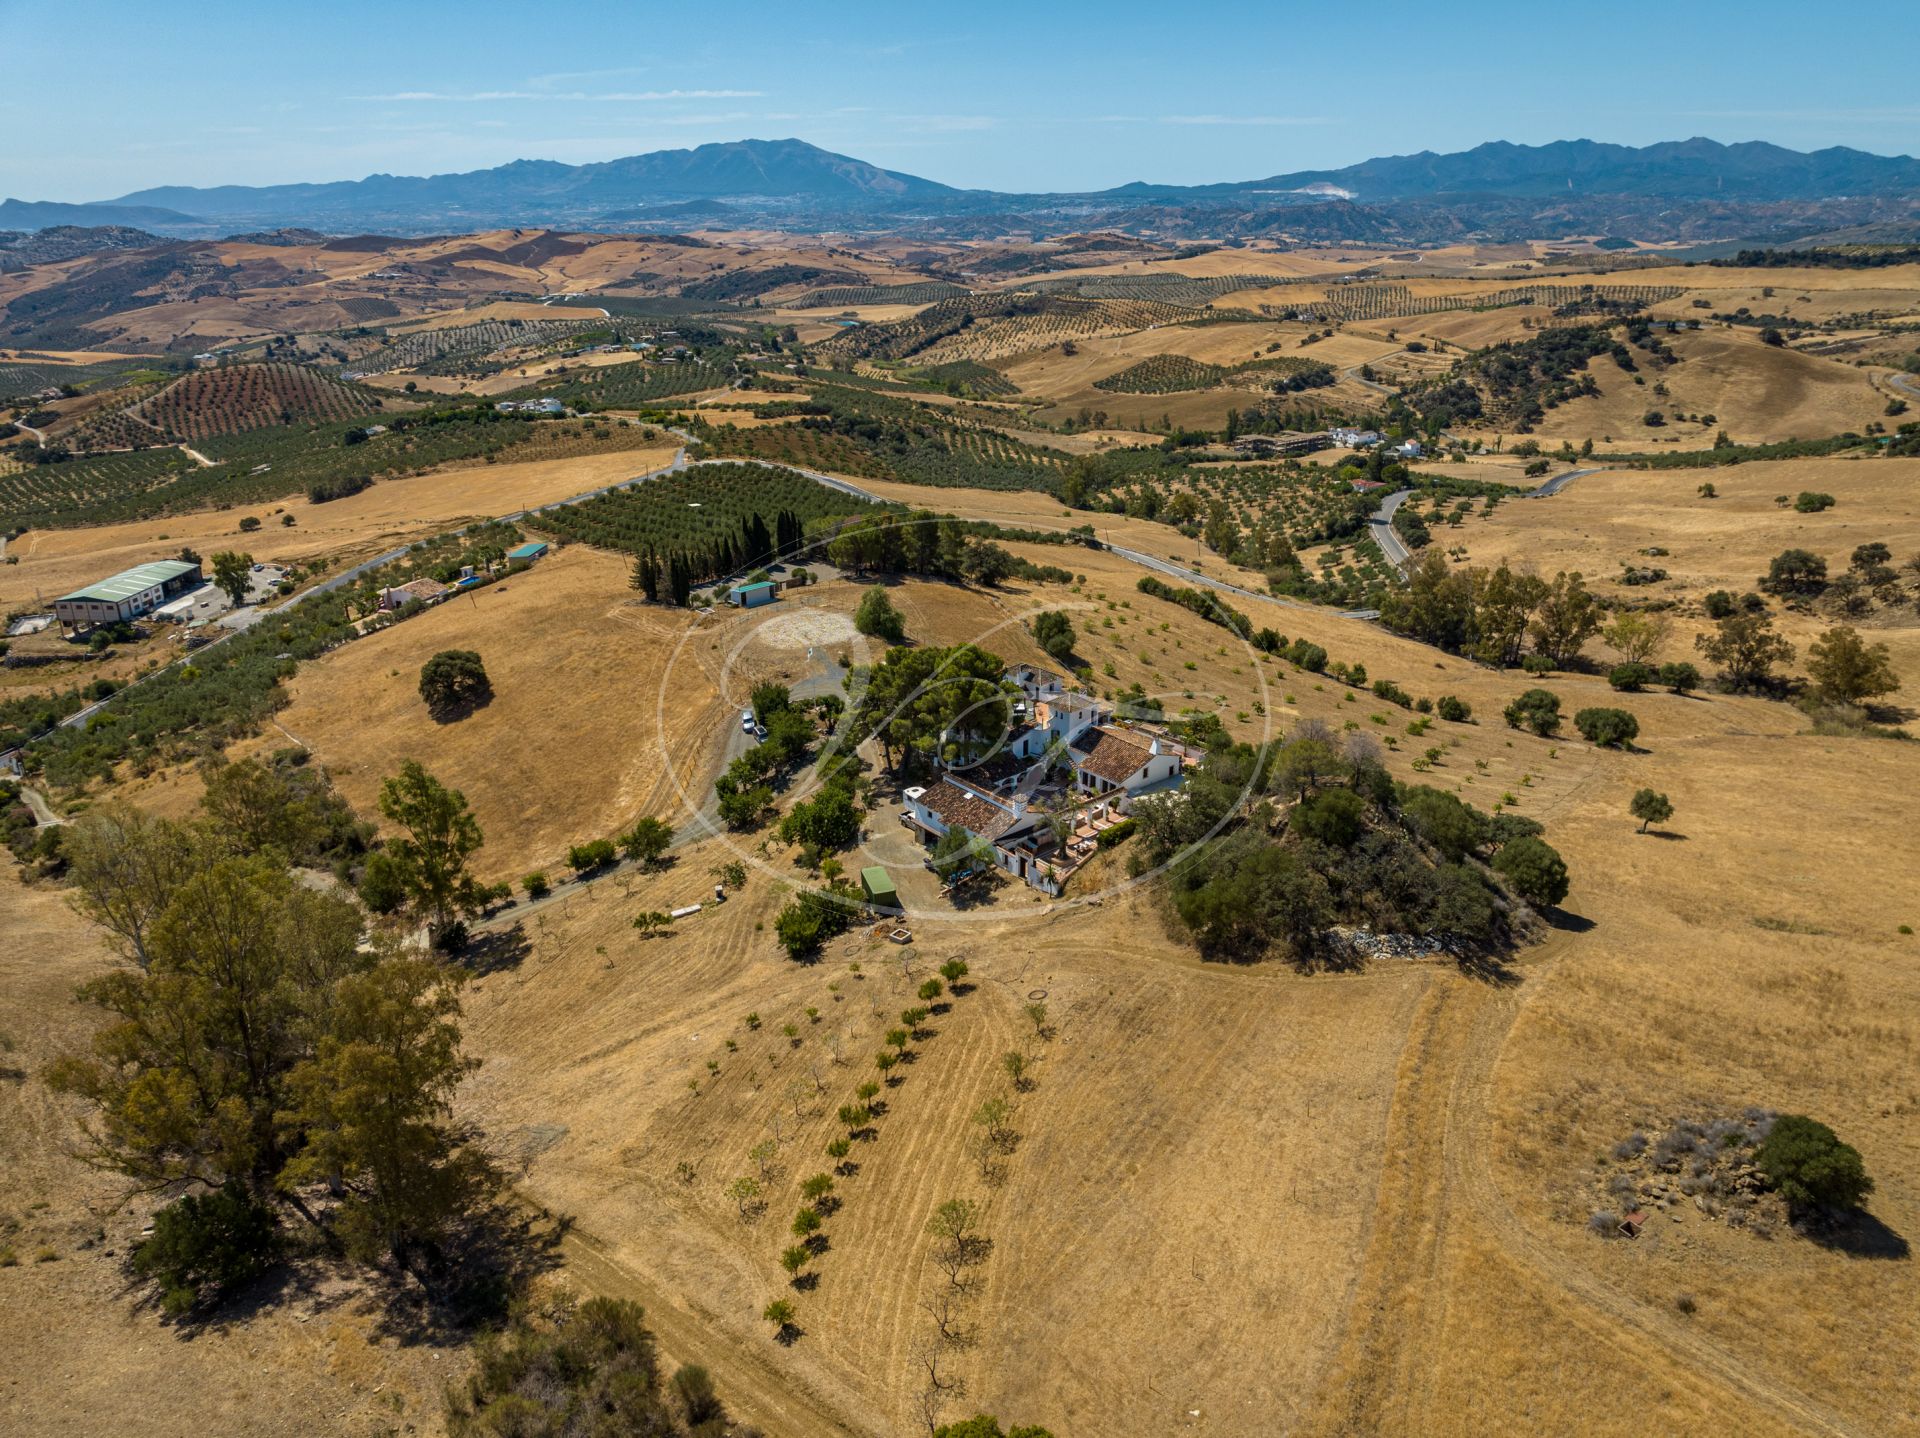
1242 1201
1415 1177
1375 1182
1757 393
1602 522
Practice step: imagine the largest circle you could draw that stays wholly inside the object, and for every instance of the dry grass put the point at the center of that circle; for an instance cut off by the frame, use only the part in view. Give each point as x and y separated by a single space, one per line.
1604 521
1757 393
1387 1168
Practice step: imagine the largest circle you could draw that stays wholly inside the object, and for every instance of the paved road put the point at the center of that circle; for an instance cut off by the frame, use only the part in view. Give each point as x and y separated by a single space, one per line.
1905 382
1558 483
1380 529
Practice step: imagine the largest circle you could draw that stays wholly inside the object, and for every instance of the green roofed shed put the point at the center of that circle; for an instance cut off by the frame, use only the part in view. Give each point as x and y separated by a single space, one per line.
877 884
532 550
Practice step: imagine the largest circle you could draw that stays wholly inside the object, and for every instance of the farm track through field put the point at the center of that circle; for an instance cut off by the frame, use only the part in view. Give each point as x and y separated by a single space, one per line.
1439 1176
1470 1184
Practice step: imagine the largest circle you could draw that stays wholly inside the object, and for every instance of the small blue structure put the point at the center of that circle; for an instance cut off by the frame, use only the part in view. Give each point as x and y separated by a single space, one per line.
529 552
752 596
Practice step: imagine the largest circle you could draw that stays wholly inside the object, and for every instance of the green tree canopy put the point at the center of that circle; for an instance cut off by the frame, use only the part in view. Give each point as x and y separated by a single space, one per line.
1650 806
877 618
1534 870
1847 669
440 834
1809 1165
454 681
1053 632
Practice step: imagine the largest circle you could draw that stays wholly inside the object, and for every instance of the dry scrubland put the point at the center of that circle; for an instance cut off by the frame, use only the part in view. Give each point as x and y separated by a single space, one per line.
1243 1201
1376 1183
1604 521
1366 1163
1757 393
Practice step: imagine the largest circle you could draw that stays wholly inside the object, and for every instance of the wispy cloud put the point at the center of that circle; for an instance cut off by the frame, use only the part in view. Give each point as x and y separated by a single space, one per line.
475 97
1244 120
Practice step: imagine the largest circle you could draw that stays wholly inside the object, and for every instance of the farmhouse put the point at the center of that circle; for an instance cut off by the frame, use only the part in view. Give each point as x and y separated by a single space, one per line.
1063 775
1354 438
420 591
128 594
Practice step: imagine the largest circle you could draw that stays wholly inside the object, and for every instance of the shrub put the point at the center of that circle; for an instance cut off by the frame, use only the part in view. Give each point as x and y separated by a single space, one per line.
811 918
1108 837
1457 711
1719 604
1609 728
1680 678
594 854
1534 870
1537 709
1333 816
454 680
382 889
1810 1167
1053 632
206 1243
1304 655
1810 501
1537 664
1631 678
536 885
877 618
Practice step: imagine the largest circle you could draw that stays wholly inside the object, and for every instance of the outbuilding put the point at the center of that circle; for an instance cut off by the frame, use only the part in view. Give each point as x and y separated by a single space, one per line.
534 549
877 884
752 596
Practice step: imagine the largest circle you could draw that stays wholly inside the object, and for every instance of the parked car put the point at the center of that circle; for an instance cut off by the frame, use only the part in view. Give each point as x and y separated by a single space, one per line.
746 720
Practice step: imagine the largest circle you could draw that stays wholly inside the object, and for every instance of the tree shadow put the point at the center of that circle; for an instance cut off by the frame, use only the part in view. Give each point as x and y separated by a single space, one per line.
473 1280
1858 1234
498 950
1669 835
1567 922
455 711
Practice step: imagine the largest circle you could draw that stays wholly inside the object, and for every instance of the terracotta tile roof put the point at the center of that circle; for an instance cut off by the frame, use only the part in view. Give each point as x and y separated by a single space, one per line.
959 809
1113 756
422 588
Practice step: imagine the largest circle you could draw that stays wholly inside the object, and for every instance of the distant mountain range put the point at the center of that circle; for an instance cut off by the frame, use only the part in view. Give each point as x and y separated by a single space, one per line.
46 214
1496 190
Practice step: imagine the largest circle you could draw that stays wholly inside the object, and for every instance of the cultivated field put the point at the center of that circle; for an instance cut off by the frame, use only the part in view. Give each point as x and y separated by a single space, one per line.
392 512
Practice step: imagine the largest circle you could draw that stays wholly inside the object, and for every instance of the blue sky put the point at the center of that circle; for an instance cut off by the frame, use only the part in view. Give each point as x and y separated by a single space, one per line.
103 97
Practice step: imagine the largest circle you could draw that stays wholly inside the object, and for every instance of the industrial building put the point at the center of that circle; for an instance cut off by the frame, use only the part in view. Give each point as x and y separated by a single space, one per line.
128 594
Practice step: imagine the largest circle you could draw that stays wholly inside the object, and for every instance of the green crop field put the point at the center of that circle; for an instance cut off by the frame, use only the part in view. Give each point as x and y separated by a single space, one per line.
852 296
1169 374
233 398
94 490
872 435
691 509
629 386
